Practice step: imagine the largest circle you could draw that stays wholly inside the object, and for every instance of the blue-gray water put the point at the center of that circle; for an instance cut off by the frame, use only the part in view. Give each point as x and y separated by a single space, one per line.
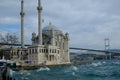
98 70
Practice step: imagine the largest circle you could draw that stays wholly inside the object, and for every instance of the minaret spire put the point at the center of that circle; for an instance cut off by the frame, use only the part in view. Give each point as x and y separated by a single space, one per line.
22 23
39 8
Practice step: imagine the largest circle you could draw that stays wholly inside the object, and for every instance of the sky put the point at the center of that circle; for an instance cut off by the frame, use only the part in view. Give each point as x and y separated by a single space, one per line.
88 22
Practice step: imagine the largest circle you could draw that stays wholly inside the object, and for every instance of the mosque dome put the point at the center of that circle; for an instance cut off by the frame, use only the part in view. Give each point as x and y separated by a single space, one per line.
47 30
50 27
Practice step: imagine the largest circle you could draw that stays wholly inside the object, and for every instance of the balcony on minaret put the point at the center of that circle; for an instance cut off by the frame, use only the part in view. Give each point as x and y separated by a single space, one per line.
22 14
39 8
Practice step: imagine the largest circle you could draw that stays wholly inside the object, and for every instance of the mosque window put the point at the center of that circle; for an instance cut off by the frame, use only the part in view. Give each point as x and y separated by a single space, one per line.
17 54
59 44
40 50
46 50
43 50
56 43
35 50
55 50
48 42
21 53
32 50
29 51
50 50
63 45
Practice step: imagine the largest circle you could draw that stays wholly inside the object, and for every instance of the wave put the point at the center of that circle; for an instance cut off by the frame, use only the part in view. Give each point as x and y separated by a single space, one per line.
104 62
23 72
116 63
115 74
43 69
24 78
95 75
74 68
28 73
71 69
98 70
96 64
73 73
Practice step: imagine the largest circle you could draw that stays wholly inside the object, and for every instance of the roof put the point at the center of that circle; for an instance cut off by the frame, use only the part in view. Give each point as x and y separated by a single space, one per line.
47 30
50 27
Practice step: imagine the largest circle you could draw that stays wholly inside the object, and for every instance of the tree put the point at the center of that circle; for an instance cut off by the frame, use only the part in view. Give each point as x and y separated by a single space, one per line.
9 38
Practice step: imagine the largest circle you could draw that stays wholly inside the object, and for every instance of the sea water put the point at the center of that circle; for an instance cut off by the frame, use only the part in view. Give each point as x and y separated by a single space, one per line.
98 70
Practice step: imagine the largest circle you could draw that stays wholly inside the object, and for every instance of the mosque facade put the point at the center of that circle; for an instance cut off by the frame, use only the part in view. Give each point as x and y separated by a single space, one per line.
50 46
54 49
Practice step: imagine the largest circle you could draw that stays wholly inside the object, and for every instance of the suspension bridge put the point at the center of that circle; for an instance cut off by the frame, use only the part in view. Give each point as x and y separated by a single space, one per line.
72 48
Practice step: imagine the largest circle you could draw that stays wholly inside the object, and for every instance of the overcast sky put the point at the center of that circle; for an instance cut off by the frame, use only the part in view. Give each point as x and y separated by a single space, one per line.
88 22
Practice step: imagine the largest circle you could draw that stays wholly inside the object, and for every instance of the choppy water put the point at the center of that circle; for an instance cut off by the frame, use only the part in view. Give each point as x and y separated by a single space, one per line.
98 70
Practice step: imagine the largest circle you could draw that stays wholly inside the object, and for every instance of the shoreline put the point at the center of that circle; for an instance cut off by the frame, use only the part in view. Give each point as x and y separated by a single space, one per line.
18 68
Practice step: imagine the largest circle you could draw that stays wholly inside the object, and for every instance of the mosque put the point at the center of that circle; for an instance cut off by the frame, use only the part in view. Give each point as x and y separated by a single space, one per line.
49 47
54 48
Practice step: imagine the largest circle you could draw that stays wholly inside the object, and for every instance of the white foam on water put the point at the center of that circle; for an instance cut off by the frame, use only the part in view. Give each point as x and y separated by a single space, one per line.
43 69
116 63
28 73
26 78
103 62
23 72
97 64
67 70
73 73
74 68
71 69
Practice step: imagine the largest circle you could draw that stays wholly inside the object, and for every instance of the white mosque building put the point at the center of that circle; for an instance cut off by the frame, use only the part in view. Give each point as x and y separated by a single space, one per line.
49 47
54 49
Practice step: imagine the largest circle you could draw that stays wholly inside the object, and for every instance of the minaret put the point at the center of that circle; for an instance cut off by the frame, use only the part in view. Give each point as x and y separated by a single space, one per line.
22 23
52 35
39 8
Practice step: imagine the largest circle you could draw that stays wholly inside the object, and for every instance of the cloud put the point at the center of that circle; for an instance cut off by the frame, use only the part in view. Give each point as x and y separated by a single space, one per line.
9 20
87 21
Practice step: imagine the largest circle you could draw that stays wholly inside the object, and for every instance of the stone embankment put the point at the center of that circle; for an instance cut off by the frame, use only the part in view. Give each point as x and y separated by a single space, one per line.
32 67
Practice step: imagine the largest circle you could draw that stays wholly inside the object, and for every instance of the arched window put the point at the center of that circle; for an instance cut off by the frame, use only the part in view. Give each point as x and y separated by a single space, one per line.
40 50
21 52
46 50
63 45
32 50
55 50
35 50
56 43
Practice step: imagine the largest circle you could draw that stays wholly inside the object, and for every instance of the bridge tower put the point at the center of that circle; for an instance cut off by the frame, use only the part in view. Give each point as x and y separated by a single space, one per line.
107 48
